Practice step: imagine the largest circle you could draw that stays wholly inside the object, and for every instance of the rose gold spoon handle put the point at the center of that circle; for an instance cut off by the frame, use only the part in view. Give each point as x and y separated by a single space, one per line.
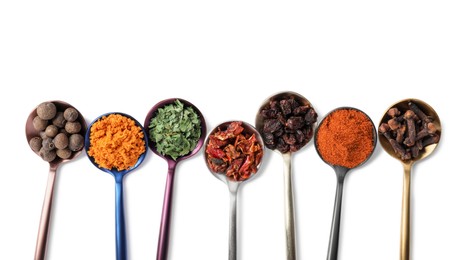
406 210
41 244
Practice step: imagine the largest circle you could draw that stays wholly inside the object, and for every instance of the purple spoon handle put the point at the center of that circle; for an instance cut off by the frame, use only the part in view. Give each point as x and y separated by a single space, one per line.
44 225
164 233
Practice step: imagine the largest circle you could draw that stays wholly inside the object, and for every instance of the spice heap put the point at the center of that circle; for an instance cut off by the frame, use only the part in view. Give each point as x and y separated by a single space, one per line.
59 132
345 138
287 124
408 132
234 152
116 142
175 129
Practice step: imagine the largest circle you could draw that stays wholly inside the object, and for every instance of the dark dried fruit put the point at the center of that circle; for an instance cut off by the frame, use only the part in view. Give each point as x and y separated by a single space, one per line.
46 110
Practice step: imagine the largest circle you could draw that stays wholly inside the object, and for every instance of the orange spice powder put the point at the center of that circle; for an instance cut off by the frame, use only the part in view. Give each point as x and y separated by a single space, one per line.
345 138
116 142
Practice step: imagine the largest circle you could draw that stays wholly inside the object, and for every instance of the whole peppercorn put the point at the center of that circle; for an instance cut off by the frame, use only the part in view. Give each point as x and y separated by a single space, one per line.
46 110
47 144
59 120
76 142
73 127
47 155
51 131
64 153
42 135
39 124
70 114
35 143
61 141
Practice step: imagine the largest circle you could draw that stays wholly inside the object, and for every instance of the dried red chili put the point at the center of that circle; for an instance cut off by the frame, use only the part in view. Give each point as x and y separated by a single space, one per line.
234 152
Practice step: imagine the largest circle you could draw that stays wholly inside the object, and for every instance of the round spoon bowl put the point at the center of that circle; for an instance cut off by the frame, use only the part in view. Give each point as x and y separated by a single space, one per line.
31 132
374 138
259 123
403 106
249 130
87 145
153 112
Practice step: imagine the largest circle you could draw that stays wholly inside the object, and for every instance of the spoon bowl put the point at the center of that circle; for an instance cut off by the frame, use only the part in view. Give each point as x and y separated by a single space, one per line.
341 171
289 200
31 132
403 105
233 185
164 232
120 228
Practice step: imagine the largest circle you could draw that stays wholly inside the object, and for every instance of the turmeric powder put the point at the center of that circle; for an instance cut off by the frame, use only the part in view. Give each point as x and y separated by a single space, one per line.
116 142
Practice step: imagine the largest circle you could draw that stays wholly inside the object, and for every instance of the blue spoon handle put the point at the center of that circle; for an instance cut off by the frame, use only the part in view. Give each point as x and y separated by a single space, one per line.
120 220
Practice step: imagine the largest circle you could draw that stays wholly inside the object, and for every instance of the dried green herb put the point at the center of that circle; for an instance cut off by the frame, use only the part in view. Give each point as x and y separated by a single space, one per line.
175 129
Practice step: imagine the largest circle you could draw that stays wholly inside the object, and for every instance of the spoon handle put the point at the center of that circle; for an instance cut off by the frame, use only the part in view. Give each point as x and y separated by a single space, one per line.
42 235
289 209
232 240
335 230
406 211
120 230
164 233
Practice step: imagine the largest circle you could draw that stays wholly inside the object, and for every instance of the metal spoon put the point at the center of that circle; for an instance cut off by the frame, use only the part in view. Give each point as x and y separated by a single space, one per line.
41 244
289 201
232 184
120 230
164 232
340 172
407 165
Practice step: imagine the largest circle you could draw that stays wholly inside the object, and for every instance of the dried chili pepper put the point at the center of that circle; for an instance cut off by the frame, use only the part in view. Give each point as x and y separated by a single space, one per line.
234 152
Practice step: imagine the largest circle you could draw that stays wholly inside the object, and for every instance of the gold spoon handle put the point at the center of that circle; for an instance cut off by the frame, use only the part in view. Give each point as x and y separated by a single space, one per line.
405 214
289 209
42 235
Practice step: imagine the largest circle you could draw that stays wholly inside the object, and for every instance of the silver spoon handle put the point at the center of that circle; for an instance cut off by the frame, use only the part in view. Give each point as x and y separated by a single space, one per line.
289 209
232 240
42 235
335 230
405 215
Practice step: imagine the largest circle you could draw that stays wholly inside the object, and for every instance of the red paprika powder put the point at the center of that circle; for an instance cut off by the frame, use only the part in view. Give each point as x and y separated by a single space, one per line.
345 138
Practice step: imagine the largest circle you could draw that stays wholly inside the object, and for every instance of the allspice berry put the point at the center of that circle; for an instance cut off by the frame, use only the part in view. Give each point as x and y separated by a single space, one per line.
35 143
39 124
73 127
59 120
61 141
70 114
47 155
76 142
47 144
51 131
46 110
64 153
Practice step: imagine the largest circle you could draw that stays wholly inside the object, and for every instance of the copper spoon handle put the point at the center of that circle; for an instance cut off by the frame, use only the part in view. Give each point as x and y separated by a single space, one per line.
164 232
42 235
406 212
289 209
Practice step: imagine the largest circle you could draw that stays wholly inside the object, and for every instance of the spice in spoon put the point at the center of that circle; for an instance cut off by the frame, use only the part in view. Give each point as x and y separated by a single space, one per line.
116 142
345 138
175 129
234 152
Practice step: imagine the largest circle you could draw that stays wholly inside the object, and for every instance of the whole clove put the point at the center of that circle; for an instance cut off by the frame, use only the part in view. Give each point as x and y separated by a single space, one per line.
409 131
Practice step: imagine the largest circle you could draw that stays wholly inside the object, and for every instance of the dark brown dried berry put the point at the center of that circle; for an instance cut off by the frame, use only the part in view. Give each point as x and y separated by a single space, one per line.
73 127
289 139
64 153
294 123
272 125
39 124
285 106
70 114
59 120
76 142
35 143
301 110
51 131
61 141
46 110
47 144
47 155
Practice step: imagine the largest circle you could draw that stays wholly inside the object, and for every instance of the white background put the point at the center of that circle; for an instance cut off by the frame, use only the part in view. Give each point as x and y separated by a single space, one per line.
226 57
